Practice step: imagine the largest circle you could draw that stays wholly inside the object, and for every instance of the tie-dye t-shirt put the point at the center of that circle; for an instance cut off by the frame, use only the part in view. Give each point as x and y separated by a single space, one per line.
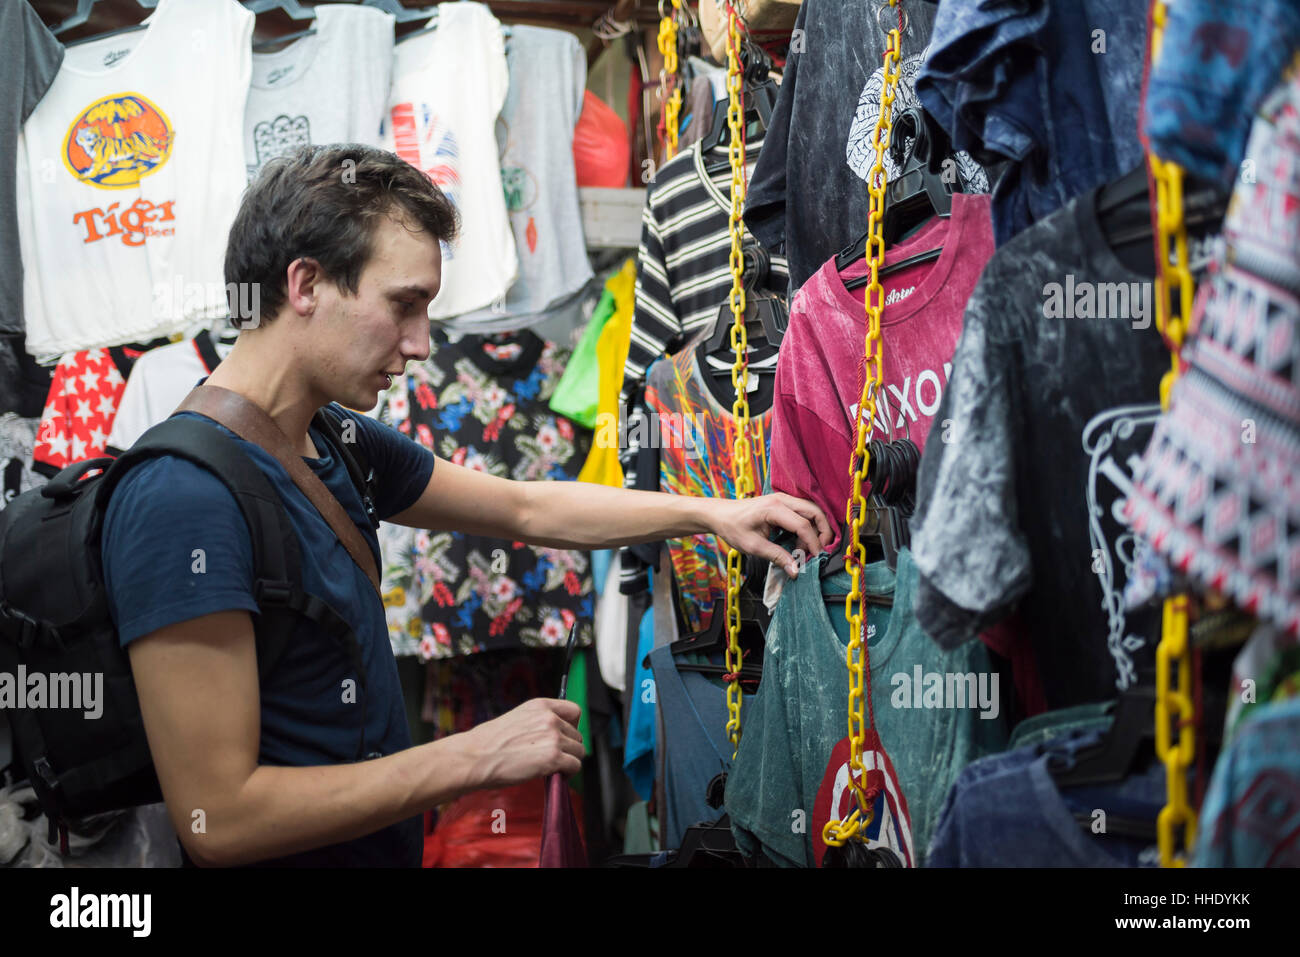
695 438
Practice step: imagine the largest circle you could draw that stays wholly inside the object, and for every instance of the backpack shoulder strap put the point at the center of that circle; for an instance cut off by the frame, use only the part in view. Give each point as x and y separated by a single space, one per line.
331 421
277 556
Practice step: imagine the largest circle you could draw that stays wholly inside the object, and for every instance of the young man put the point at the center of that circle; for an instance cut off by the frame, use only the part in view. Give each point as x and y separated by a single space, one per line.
343 244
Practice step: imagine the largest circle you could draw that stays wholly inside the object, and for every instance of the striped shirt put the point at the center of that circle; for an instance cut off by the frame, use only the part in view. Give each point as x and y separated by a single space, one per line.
683 280
683 263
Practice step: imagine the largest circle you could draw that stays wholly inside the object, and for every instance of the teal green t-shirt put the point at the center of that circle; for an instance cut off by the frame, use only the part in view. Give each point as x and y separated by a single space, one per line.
928 706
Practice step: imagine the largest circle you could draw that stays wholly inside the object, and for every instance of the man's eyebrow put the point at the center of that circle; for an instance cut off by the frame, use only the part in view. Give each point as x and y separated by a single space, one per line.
410 290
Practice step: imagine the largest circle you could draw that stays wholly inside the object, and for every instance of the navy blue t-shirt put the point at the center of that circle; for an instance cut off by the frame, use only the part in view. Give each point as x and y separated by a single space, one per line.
165 509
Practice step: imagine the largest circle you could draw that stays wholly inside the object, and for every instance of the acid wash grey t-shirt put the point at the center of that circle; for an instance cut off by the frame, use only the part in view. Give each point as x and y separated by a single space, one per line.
1054 391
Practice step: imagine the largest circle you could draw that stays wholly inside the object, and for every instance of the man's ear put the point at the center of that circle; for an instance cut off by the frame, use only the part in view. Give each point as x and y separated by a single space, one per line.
302 285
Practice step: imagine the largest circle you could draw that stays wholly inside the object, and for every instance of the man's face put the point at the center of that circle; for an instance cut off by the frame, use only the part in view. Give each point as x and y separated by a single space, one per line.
367 338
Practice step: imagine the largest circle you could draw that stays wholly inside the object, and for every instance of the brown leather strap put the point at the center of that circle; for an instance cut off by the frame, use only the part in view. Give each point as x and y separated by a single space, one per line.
251 423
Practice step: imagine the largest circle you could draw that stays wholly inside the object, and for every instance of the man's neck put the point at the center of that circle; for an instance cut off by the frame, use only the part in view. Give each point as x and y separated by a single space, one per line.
262 377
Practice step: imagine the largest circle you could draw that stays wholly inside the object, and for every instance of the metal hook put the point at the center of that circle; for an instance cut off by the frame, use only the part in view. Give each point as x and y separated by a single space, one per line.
886 8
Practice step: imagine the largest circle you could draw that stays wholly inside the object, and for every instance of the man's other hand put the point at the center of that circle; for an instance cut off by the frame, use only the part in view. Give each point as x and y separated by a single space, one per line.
537 738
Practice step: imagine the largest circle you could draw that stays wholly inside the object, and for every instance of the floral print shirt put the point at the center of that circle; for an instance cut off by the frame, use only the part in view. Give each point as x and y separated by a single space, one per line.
482 402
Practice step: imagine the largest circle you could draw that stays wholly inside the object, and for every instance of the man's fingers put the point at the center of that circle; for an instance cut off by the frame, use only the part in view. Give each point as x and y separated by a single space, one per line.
777 555
813 513
803 529
570 711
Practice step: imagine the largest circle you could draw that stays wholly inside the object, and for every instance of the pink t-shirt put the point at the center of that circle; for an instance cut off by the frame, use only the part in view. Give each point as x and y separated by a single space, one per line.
818 376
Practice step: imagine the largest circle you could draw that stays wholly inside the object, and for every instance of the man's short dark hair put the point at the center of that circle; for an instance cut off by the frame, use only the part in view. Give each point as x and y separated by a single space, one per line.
323 203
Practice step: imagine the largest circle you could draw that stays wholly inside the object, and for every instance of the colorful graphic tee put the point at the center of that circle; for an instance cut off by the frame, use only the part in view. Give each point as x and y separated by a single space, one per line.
696 436
130 172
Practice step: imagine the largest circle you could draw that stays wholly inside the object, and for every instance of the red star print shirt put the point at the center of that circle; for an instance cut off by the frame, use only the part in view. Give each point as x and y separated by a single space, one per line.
81 406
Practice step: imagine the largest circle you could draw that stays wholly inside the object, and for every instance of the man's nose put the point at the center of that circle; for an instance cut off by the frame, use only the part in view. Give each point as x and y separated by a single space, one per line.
419 346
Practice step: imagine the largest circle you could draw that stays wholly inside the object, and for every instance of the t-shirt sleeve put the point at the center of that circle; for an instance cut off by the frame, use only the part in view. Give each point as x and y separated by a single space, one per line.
967 540
402 466
175 547
43 55
655 323
979 79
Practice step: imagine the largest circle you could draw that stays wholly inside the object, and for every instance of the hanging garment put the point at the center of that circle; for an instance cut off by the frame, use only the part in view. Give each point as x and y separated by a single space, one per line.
602 465
611 631
1266 670
17 443
639 745
577 394
819 375
1053 391
1053 88
697 116
82 406
690 413
483 404
130 172
1218 60
159 381
1216 492
808 193
448 88
934 712
683 278
534 136
1005 810
683 270
328 88
694 745
1251 813
29 60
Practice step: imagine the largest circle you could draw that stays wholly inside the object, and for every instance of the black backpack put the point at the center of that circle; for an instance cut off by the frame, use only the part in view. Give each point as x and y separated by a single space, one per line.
55 621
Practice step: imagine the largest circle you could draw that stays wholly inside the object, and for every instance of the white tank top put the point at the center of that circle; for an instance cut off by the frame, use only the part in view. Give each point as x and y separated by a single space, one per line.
129 175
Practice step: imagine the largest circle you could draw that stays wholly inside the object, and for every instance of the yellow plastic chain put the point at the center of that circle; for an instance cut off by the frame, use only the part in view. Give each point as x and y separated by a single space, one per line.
744 477
1174 705
837 833
672 101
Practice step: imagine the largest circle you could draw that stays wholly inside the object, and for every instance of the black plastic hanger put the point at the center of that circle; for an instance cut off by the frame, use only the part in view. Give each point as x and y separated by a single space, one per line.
82 16
714 639
766 315
1128 745
759 97
1123 209
291 9
915 195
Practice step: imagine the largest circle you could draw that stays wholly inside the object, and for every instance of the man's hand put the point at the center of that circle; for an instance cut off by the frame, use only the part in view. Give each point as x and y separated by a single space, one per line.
537 738
746 523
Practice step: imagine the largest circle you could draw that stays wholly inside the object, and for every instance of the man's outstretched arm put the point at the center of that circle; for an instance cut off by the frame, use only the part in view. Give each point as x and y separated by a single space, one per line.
198 690
585 515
